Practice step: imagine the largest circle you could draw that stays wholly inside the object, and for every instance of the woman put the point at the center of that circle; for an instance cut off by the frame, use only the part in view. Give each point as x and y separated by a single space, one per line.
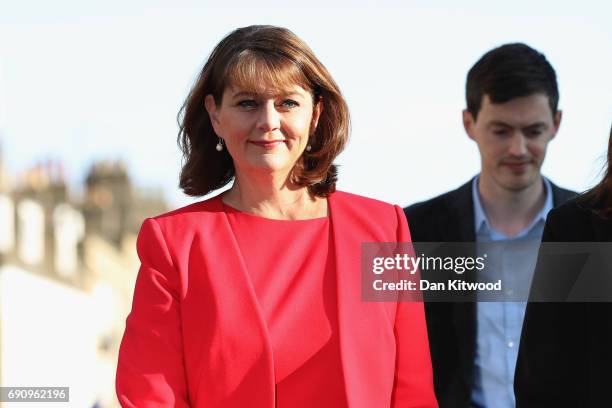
252 298
565 355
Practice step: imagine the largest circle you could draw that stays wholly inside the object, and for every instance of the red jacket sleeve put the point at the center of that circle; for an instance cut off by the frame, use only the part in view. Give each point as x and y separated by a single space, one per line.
151 370
413 385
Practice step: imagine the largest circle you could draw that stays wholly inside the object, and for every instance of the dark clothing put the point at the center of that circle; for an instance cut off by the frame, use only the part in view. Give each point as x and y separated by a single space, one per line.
565 355
452 326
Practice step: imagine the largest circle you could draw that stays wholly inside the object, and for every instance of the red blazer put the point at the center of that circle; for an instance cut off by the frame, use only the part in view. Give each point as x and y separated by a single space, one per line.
196 336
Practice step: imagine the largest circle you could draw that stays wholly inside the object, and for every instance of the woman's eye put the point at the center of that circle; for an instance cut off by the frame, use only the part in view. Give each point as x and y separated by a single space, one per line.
247 103
290 103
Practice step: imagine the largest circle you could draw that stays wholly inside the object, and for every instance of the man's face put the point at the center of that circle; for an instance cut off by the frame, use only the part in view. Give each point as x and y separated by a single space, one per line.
512 138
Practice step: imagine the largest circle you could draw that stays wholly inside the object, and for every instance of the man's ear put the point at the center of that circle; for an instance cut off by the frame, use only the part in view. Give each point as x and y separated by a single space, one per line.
211 108
557 122
468 123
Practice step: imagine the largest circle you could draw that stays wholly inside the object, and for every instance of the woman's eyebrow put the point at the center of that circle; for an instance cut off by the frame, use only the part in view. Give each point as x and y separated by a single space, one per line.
254 94
242 94
292 94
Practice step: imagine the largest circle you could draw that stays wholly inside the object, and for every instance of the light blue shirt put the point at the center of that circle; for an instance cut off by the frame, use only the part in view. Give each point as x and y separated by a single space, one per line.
499 323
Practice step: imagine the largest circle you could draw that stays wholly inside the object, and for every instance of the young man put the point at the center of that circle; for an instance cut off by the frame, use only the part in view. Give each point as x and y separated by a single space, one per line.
512 115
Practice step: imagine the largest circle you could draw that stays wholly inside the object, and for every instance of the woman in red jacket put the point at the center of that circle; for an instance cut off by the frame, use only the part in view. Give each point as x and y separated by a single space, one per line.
252 298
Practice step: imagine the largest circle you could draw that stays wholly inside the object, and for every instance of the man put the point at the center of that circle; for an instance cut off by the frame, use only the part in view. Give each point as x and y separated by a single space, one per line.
512 115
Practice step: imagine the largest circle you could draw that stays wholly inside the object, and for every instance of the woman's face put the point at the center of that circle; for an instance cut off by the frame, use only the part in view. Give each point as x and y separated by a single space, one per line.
265 131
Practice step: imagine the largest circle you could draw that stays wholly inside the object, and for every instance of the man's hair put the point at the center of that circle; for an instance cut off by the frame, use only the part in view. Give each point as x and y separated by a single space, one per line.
510 71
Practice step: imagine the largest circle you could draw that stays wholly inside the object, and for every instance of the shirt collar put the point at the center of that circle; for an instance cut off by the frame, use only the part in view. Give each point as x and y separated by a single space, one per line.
480 216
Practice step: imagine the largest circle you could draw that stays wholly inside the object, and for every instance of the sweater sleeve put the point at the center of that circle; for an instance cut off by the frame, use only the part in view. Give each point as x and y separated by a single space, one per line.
551 367
151 370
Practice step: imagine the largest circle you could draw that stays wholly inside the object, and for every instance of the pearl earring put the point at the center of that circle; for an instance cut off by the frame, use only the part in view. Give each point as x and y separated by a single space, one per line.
219 145
308 148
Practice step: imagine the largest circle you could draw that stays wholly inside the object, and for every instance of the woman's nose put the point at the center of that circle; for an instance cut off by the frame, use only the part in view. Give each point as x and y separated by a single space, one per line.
269 117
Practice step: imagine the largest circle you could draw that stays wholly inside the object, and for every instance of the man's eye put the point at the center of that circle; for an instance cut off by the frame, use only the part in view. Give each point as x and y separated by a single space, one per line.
533 133
247 103
500 132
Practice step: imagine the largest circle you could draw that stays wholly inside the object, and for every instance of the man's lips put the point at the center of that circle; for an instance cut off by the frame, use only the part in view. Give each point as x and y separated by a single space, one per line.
517 166
267 144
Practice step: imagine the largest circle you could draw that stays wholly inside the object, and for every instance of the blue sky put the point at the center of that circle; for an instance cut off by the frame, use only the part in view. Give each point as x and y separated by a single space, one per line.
80 82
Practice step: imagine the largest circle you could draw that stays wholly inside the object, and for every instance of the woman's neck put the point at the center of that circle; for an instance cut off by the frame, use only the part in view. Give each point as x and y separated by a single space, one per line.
274 198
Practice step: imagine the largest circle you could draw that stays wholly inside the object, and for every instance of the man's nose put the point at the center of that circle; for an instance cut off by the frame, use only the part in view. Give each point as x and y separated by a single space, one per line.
518 144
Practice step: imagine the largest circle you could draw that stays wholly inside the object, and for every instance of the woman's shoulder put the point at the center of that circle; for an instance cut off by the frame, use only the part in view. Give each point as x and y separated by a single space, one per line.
207 211
572 212
572 207
198 211
366 212
359 201
576 220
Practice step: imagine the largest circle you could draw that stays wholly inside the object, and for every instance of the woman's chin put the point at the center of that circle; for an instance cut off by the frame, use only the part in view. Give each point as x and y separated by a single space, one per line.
270 164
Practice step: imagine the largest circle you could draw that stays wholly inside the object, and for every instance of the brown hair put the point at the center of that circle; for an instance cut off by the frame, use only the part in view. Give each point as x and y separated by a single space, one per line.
249 58
599 198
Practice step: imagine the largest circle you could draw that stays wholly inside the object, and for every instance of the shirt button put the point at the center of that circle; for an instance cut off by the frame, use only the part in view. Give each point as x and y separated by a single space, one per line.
510 344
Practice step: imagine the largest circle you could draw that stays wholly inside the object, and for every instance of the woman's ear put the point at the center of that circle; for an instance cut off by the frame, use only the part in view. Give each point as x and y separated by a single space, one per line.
211 108
316 114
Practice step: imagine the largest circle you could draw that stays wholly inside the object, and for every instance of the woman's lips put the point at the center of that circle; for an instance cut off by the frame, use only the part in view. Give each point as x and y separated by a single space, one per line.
267 144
